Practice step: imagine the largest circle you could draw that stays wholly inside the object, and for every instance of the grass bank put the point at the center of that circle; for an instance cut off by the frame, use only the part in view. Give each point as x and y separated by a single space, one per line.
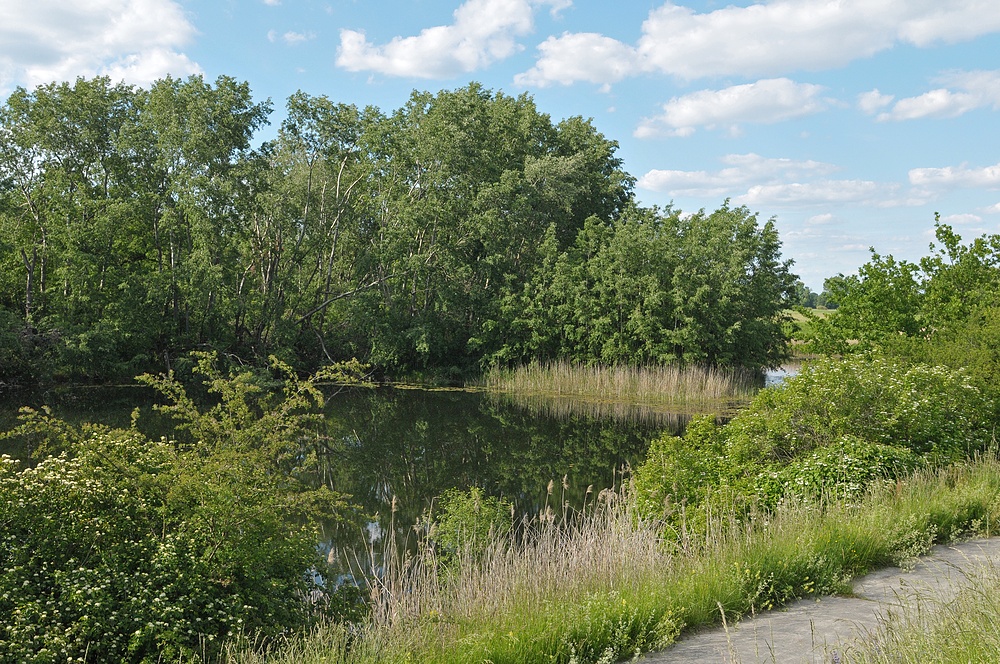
959 630
605 585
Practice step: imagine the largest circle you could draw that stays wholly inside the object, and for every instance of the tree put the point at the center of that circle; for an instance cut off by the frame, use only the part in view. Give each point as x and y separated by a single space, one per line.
881 302
655 287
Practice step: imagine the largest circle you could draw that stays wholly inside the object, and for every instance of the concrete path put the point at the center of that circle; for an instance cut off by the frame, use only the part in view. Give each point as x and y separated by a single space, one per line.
816 631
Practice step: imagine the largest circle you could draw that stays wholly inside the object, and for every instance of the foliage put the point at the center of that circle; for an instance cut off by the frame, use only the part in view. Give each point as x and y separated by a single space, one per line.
928 311
467 522
882 301
463 229
832 429
655 288
119 548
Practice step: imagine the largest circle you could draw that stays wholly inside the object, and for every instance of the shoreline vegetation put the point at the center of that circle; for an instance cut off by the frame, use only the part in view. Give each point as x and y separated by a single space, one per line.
154 228
605 585
650 393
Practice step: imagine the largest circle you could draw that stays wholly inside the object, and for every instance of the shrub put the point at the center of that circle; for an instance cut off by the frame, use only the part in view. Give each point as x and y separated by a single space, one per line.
831 430
467 521
119 548
928 409
128 551
843 469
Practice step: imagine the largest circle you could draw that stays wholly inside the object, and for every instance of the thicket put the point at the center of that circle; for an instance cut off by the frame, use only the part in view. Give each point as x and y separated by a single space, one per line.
463 229
941 310
831 431
114 547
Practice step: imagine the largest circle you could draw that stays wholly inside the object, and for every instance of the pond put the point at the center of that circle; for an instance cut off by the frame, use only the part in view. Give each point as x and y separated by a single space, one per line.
389 444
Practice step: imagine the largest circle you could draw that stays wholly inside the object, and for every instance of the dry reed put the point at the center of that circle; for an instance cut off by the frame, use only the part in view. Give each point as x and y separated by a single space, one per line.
646 385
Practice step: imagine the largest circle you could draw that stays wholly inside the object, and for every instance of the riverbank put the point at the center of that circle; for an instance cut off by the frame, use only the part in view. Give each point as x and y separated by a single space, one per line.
850 627
609 587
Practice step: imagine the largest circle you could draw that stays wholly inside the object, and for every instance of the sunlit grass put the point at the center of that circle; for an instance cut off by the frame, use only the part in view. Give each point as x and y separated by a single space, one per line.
603 585
957 630
620 390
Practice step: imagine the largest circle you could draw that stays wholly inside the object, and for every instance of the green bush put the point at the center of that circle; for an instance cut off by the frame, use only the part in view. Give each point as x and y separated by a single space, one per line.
829 431
843 469
118 548
929 410
128 551
467 522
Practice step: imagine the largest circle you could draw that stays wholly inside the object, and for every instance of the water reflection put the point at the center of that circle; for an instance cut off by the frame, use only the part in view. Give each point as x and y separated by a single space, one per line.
412 445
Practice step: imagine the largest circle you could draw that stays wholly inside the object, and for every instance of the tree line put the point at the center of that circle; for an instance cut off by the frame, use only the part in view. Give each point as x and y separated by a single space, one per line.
462 230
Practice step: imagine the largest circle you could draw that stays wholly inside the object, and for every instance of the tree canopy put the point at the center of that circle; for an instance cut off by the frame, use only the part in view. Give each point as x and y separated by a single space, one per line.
462 229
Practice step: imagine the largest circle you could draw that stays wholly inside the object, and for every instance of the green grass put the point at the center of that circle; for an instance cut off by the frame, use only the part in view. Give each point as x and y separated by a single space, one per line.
604 585
958 631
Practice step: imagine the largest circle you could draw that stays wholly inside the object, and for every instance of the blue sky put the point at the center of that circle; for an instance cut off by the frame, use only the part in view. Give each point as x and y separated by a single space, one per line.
849 121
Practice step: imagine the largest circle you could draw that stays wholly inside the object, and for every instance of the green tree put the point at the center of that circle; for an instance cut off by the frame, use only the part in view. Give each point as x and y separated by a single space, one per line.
730 289
881 303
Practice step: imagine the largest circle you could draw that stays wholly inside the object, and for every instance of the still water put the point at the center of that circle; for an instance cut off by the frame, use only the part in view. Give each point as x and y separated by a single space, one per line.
411 445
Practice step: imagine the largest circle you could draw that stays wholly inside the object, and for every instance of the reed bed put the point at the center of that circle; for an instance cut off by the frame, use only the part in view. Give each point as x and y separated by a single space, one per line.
665 416
645 385
603 584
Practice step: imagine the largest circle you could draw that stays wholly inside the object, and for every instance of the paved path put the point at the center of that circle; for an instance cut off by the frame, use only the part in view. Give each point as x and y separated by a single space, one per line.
815 631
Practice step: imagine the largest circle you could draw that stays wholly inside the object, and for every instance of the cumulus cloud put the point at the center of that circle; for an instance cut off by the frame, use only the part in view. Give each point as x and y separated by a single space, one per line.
966 219
136 41
582 56
291 38
956 177
873 101
766 101
484 31
963 91
812 193
820 219
741 171
773 38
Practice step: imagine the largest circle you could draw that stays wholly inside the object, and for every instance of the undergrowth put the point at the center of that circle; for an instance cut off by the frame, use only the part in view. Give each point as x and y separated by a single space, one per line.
605 584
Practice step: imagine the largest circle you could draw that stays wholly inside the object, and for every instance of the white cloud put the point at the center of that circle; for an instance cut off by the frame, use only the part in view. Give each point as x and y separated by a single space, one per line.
966 219
484 31
873 101
812 193
956 177
584 56
766 101
742 171
775 38
272 3
136 41
820 219
294 38
963 92
750 179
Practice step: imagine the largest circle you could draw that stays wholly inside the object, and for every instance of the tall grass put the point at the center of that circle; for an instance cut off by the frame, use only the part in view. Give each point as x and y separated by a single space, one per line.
959 630
668 416
644 386
603 584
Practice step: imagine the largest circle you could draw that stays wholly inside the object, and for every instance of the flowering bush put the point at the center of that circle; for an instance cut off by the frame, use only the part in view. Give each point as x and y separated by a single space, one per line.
128 552
117 548
832 429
